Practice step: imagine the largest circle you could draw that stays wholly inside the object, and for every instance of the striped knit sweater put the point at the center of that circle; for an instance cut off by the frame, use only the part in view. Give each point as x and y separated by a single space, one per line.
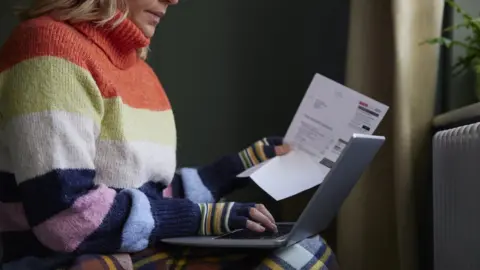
87 145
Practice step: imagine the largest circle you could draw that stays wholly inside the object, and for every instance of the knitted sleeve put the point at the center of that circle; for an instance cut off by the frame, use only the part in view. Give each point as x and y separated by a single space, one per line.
206 184
210 183
50 114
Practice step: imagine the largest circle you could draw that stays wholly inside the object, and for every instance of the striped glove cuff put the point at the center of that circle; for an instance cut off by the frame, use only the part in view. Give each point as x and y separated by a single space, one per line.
221 218
260 151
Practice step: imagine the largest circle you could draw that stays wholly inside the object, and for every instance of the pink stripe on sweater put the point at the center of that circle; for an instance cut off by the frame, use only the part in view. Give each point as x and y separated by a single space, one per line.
12 217
168 192
67 230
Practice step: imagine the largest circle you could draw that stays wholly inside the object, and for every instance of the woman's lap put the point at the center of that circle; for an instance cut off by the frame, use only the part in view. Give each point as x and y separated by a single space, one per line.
311 253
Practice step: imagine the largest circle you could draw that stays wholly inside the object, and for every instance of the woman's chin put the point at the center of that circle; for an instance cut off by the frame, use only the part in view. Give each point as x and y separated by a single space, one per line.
149 31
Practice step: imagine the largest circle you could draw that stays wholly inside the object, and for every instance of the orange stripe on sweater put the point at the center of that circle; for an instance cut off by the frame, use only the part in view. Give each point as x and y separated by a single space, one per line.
138 85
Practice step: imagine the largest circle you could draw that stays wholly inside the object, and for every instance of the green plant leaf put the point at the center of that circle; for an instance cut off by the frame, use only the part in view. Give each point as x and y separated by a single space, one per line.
455 27
439 40
468 21
464 63
471 43
476 67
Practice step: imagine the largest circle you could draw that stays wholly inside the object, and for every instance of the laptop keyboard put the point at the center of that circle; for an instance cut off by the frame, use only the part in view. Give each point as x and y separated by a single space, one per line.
283 229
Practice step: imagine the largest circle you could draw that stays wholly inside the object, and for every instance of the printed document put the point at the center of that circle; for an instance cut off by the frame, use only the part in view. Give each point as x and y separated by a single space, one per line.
328 116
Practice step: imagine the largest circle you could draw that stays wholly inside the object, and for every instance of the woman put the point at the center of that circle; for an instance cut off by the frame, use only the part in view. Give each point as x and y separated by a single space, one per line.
87 140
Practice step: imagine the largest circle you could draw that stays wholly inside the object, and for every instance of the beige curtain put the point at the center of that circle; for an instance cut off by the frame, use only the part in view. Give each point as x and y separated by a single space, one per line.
377 227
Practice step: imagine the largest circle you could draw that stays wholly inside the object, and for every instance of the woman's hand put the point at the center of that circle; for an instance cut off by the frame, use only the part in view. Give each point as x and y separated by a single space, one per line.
221 218
262 151
260 219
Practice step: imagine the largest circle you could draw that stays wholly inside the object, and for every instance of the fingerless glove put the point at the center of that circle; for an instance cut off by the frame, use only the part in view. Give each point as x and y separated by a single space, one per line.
259 152
221 218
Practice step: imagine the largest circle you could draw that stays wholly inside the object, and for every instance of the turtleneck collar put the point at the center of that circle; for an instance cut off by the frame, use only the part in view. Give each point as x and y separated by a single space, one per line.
121 43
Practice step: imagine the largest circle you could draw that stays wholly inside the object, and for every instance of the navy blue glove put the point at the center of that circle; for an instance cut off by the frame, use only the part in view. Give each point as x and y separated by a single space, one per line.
221 218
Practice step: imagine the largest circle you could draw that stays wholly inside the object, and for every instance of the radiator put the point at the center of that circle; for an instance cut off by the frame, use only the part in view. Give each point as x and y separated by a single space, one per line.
456 198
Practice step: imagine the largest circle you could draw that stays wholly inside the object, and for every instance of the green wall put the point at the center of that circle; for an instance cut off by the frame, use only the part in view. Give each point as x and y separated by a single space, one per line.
7 19
236 71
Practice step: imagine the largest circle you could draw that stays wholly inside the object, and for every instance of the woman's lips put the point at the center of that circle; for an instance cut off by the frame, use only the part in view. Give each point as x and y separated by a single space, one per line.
155 17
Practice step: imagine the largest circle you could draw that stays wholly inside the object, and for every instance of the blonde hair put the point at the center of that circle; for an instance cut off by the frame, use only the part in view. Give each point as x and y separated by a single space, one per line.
76 11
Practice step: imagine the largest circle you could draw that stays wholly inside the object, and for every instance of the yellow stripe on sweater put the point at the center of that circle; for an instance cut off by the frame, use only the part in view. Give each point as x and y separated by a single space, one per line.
48 83
137 124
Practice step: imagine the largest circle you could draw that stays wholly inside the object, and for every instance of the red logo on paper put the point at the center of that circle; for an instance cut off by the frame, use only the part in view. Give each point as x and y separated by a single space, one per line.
363 104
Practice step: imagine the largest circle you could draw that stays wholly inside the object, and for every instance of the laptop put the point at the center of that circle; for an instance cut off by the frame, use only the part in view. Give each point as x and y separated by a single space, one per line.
320 211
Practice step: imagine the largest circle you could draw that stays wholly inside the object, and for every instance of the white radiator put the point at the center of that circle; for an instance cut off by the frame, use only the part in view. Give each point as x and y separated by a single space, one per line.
456 198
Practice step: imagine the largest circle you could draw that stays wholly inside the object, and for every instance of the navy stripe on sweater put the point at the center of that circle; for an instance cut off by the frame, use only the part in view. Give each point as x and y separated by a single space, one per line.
9 191
54 192
17 244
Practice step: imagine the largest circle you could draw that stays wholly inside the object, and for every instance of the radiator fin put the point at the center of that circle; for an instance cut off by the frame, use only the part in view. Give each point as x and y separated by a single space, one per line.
456 198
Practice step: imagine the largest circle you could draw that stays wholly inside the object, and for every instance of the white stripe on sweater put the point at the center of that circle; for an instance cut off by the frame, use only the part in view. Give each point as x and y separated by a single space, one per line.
123 164
61 140
45 141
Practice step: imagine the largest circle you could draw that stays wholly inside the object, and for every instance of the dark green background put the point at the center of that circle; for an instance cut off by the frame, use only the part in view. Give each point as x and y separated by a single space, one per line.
236 71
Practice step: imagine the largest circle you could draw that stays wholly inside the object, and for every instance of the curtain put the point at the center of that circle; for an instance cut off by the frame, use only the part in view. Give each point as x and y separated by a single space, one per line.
379 226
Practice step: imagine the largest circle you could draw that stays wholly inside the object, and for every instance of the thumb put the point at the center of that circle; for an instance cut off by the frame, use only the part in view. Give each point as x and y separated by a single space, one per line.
282 149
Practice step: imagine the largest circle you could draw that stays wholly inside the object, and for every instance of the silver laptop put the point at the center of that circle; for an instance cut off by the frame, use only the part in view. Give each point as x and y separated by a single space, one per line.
320 211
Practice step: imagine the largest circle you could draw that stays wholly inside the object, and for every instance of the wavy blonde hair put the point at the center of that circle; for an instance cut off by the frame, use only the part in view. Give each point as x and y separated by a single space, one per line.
75 11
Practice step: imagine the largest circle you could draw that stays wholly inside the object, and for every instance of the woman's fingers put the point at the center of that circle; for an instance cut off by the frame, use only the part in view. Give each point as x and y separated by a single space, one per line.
264 210
265 152
254 217
255 227
262 216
